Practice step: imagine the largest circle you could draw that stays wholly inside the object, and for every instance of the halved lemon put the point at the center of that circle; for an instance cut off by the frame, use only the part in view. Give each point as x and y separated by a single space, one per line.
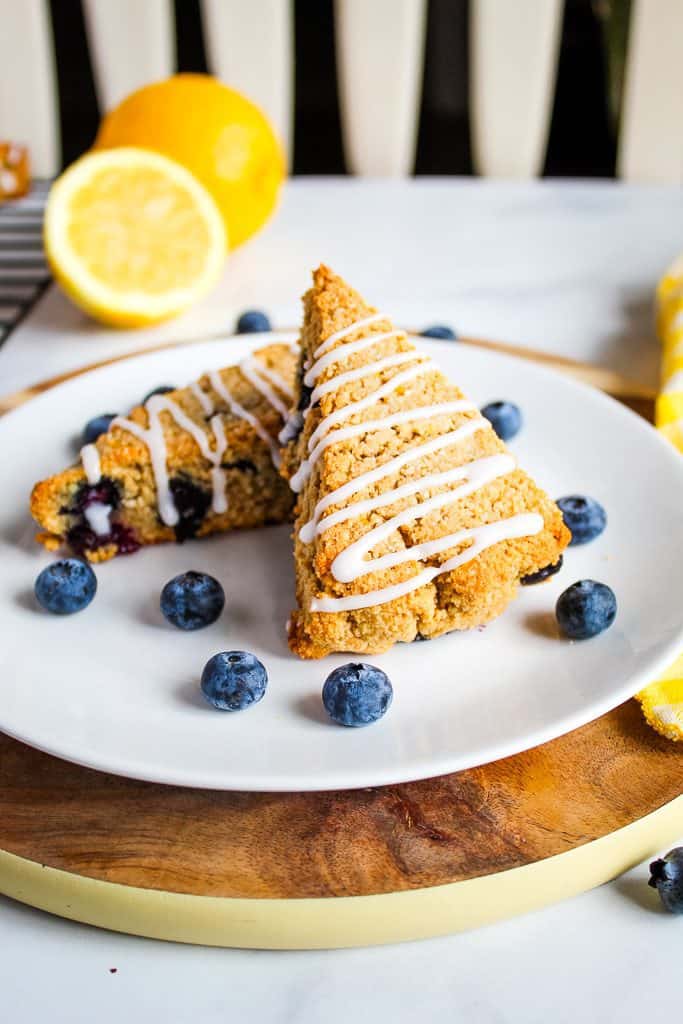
132 237
216 133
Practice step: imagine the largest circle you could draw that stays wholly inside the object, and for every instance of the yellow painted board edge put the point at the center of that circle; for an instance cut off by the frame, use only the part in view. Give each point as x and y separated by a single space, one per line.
335 922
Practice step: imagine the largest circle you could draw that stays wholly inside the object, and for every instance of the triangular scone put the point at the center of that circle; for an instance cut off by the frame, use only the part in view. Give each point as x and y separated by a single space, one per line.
412 516
188 463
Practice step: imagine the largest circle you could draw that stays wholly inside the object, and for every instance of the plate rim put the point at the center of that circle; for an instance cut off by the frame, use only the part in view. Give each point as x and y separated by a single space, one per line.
431 766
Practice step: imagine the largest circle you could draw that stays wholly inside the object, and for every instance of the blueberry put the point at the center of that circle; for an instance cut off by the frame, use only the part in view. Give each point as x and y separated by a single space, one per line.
66 586
97 426
192 600
357 694
82 539
585 609
440 331
104 492
543 574
585 517
242 465
505 418
666 876
253 321
163 389
233 680
192 504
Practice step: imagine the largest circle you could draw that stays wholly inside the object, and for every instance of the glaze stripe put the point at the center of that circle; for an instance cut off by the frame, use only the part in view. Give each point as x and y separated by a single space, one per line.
354 561
482 537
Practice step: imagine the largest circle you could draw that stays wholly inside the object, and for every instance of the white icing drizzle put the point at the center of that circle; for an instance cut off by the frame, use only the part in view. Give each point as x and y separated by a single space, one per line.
420 412
237 410
90 458
98 518
339 415
332 357
345 331
470 477
356 560
255 372
525 525
269 374
352 563
204 400
153 437
308 530
395 382
292 427
295 419
274 377
400 359
219 500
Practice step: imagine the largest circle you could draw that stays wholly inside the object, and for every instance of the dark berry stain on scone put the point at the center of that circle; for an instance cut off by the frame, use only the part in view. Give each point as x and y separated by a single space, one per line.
209 438
192 504
80 536
389 426
105 492
82 540
303 390
243 465
543 574
305 399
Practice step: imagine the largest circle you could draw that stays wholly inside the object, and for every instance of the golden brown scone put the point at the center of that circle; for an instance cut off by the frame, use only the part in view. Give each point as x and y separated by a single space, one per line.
468 595
73 512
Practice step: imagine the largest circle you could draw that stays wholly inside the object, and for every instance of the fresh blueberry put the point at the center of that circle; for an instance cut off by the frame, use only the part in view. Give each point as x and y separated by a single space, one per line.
163 389
357 694
233 680
666 876
253 321
505 418
585 609
192 600
585 517
66 586
97 426
440 331
543 574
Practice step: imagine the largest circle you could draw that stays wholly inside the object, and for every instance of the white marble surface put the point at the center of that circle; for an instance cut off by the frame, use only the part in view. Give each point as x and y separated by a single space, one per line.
565 267
568 267
608 957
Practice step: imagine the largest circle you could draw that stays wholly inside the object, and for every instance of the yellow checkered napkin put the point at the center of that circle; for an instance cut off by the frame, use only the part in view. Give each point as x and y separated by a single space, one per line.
662 702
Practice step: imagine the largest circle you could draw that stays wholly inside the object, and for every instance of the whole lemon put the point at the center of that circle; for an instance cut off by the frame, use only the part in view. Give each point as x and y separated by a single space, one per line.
216 133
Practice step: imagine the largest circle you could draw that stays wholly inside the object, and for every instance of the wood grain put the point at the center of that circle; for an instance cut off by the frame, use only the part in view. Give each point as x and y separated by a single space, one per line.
511 813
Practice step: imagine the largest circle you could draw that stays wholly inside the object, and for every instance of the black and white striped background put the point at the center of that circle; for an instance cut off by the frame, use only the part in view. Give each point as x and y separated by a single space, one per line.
581 143
23 270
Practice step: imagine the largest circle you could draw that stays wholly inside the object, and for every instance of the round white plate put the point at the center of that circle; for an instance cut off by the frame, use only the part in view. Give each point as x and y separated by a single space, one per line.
116 688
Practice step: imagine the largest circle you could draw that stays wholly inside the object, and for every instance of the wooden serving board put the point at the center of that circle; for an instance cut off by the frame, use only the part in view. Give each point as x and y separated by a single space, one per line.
303 870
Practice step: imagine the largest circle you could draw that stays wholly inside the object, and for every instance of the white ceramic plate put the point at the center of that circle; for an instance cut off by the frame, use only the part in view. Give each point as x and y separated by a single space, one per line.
115 688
